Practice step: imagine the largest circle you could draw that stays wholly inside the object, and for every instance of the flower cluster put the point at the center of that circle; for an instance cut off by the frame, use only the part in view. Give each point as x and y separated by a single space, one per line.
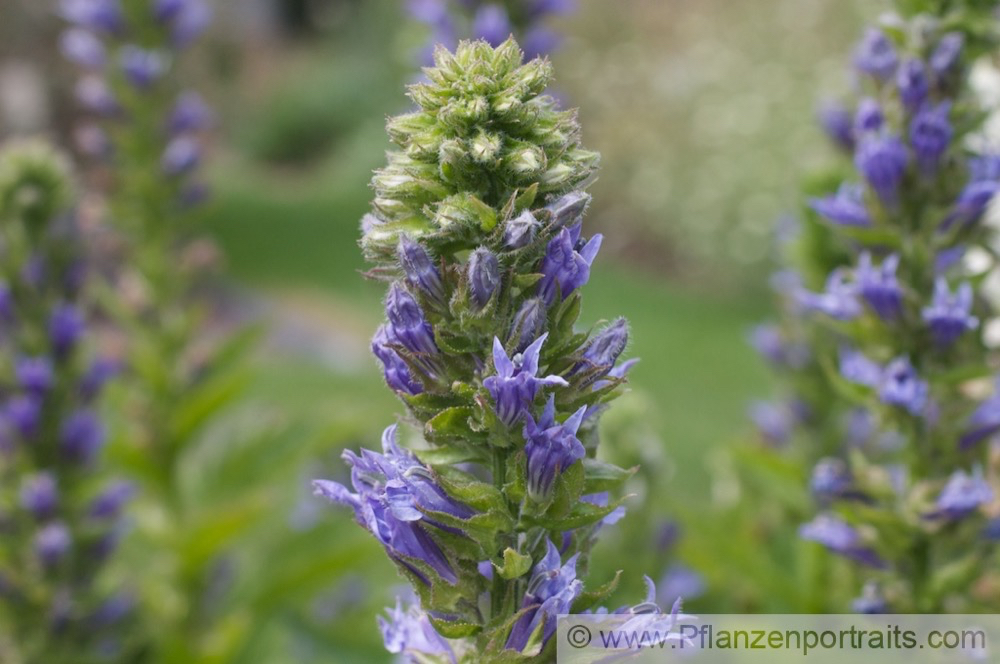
61 514
125 55
491 20
882 340
477 227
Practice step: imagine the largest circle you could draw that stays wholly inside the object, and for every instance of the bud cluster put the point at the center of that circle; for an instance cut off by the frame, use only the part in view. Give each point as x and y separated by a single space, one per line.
477 225
59 513
882 341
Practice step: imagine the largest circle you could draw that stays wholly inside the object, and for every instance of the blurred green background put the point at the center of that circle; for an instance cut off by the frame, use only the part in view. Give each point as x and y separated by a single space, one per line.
704 113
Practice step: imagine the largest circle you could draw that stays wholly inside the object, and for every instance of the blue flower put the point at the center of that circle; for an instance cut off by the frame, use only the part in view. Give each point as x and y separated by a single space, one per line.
52 543
882 160
81 436
190 113
409 632
930 135
520 231
83 48
420 270
839 301
567 262
946 53
396 371
108 503
876 55
40 495
971 204
66 326
840 538
515 384
484 276
911 79
774 422
602 351
550 449
878 286
984 422
182 155
900 386
101 15
189 22
962 495
552 588
871 601
837 123
393 490
857 368
529 322
24 413
568 208
407 321
949 316
869 116
35 375
771 344
846 207
830 479
680 582
142 67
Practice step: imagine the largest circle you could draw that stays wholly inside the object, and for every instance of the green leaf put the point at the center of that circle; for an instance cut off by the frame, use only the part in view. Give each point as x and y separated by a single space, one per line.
590 599
450 424
455 629
515 565
582 514
601 476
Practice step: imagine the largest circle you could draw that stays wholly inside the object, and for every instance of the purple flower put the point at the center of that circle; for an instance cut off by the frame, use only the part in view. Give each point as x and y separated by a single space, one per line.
984 422
94 94
567 262
540 8
515 384
396 371
108 503
550 449
112 610
837 123
24 414
393 491
66 326
182 155
190 113
551 591
770 343
839 301
420 270
871 601
840 538
857 368
40 495
971 203
680 581
876 55
900 386
568 208
774 422
520 231
869 116
846 207
190 22
830 479
142 67
484 276
492 24
6 303
529 322
407 322
431 12
101 15
83 48
96 377
539 41
82 436
52 542
878 286
911 79
930 136
882 160
34 375
949 316
410 633
962 495
946 53
602 351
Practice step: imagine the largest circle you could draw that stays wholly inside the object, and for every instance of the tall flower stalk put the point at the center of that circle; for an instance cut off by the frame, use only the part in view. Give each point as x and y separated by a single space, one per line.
477 229
882 341
59 509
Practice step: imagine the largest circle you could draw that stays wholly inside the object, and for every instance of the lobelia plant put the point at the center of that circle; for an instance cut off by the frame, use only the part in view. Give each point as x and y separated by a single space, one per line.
882 341
492 21
60 511
477 228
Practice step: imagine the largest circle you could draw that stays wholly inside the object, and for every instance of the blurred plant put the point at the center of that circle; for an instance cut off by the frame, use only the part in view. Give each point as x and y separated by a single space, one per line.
59 602
492 21
477 226
881 342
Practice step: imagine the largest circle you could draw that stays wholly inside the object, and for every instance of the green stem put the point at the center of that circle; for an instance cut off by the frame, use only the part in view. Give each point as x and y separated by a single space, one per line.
499 591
